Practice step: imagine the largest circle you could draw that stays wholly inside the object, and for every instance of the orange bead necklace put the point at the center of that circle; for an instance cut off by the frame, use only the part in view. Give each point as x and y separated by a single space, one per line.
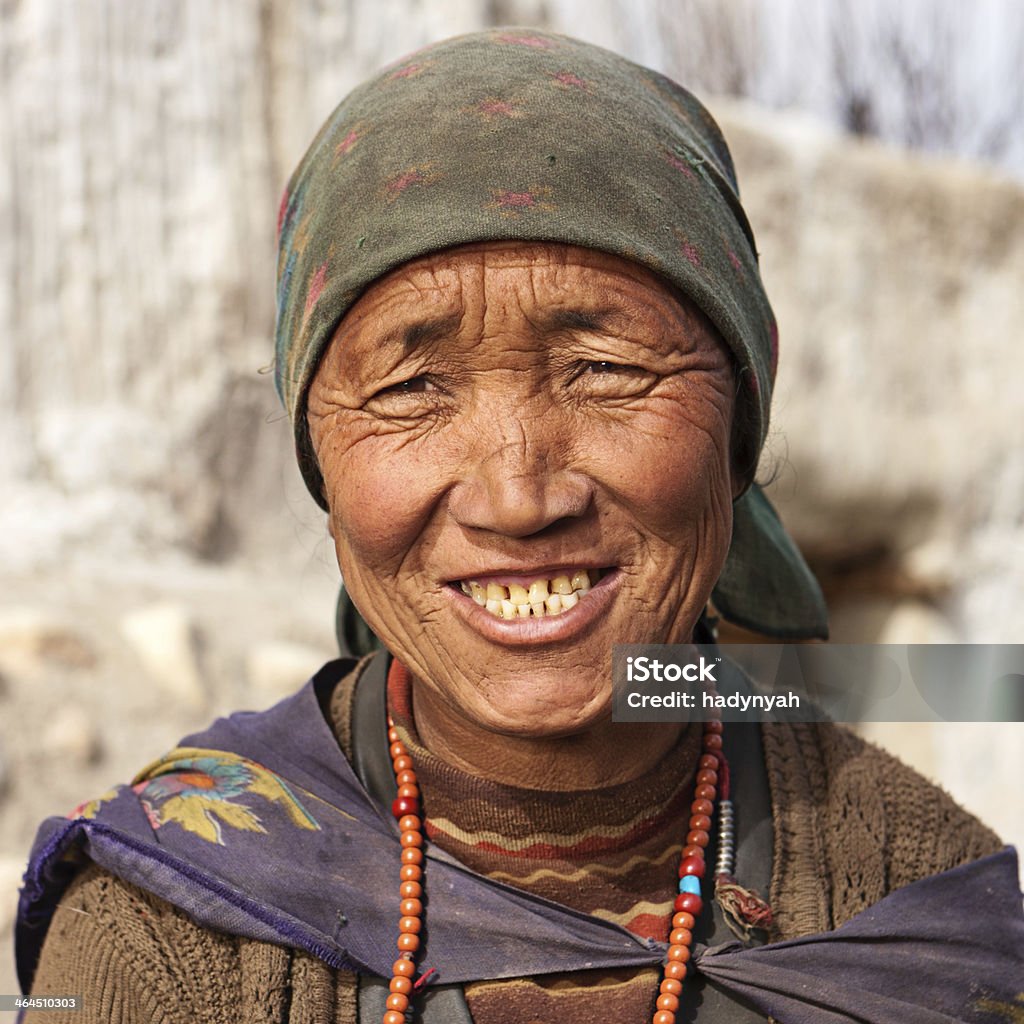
712 779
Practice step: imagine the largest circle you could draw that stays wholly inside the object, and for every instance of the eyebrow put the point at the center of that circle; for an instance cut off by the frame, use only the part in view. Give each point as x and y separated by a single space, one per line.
425 331
581 320
415 334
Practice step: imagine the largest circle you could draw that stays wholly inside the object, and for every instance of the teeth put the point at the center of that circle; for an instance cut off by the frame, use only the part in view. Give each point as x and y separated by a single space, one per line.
542 597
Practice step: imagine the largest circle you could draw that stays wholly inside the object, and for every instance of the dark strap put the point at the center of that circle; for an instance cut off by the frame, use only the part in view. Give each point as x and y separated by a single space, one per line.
439 1004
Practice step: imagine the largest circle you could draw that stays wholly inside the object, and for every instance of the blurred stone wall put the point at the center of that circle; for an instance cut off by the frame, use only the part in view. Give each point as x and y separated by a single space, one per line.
159 560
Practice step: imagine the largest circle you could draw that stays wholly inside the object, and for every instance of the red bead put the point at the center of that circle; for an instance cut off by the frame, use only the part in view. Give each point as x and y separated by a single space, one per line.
401 984
697 837
407 942
681 919
708 776
410 890
701 807
406 777
681 937
397 1001
402 764
409 823
663 1017
713 725
700 823
712 742
393 1017
397 750
693 850
704 792
692 866
681 954
408 839
671 986
411 872
675 970
409 791
393 736
667 1001
708 761
410 908
410 925
403 967
403 806
412 855
690 902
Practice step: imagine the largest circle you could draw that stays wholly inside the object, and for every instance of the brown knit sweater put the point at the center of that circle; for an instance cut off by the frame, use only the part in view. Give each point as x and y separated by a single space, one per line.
851 824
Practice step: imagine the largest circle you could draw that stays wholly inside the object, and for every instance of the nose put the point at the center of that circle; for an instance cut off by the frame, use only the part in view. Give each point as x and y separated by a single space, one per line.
519 482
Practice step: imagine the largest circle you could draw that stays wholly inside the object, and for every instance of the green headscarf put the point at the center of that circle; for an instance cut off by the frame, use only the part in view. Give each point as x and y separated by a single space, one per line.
516 134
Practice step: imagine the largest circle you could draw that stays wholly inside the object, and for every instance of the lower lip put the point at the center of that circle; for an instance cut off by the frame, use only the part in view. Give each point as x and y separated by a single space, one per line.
546 629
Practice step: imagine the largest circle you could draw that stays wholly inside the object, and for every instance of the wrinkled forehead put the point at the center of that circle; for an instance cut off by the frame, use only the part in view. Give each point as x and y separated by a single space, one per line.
538 288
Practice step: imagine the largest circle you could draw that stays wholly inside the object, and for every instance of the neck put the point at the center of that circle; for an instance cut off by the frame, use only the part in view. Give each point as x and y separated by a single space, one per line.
607 754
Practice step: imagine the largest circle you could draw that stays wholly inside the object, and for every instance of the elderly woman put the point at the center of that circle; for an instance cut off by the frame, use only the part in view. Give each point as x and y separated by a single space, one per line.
524 343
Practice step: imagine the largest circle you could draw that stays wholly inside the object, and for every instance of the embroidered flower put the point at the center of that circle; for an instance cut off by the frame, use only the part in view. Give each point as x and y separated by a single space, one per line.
534 42
347 143
91 808
570 81
512 203
316 286
196 788
420 175
411 70
689 250
492 109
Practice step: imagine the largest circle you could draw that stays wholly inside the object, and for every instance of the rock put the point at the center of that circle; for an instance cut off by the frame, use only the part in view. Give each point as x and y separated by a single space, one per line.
277 669
71 736
165 640
32 639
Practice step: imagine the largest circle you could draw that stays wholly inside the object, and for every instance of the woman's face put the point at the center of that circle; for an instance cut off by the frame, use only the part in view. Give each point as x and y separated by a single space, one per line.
503 418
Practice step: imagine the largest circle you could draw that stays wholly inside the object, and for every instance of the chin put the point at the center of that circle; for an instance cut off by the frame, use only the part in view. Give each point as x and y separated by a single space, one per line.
528 715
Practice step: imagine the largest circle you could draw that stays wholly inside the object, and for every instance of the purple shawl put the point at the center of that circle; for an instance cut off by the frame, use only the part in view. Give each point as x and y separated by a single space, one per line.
258 827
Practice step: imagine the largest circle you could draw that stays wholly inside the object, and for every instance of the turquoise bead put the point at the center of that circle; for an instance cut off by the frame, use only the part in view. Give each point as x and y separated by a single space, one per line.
690 883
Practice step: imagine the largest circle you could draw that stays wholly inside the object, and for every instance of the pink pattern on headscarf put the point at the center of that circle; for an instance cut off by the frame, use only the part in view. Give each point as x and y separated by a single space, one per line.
316 286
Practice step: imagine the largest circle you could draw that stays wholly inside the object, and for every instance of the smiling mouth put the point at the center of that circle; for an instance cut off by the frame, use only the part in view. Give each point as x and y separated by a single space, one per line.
537 598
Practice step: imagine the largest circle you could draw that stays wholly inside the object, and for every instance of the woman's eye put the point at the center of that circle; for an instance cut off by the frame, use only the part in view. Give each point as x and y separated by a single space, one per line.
603 366
412 386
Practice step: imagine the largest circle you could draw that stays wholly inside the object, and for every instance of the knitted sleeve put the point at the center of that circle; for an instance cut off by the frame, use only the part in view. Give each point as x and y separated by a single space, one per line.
136 959
853 823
